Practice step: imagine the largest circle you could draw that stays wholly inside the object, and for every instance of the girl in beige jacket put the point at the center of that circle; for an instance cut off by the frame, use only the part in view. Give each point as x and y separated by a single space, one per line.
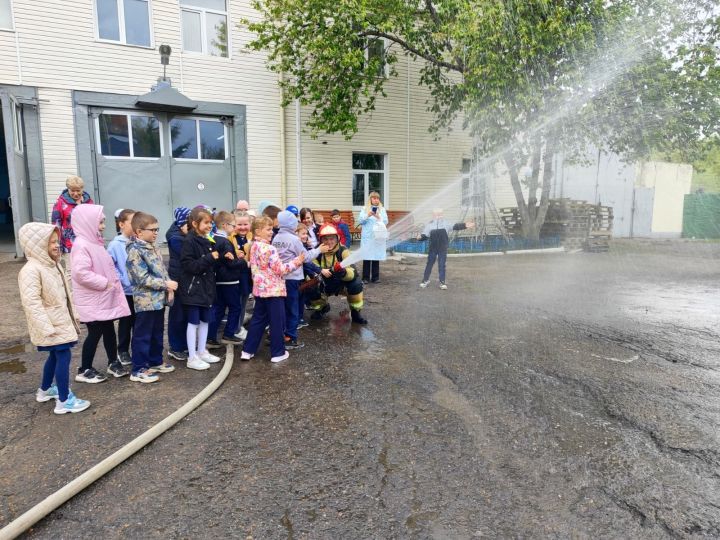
51 320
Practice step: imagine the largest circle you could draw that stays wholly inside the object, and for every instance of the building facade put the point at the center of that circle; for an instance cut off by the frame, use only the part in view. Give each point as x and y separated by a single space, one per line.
75 81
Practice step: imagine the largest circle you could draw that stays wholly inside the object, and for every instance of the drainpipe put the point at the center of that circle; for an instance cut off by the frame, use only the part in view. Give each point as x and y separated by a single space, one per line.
407 165
283 165
298 153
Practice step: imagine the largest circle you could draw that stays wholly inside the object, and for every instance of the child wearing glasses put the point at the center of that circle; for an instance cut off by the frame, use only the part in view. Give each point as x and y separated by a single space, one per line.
152 289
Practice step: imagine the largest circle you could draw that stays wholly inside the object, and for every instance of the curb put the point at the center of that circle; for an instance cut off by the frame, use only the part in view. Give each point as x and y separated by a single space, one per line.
490 253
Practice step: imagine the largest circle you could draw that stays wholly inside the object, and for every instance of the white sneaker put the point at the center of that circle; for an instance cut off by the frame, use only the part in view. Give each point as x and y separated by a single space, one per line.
242 334
46 395
276 359
71 405
246 356
424 284
197 364
209 358
443 286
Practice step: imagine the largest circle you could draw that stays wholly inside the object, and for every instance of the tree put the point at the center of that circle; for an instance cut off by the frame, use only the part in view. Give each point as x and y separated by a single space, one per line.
529 77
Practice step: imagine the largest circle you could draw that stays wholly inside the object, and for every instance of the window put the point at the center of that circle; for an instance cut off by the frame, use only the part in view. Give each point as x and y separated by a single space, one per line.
129 135
6 21
195 138
17 121
124 21
375 53
368 175
205 27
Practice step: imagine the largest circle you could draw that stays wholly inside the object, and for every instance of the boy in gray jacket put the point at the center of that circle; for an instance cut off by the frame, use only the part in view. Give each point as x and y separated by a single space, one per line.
438 231
289 247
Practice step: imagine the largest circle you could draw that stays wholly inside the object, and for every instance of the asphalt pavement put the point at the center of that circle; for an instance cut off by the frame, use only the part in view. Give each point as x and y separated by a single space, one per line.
549 395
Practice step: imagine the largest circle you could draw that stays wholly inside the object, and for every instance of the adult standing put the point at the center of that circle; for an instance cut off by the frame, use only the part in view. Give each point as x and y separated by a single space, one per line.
373 240
73 195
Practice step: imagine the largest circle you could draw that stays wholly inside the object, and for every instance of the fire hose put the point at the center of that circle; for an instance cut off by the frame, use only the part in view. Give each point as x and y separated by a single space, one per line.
61 496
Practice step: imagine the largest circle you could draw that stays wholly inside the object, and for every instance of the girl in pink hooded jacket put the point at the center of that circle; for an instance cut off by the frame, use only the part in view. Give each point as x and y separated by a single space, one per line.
97 291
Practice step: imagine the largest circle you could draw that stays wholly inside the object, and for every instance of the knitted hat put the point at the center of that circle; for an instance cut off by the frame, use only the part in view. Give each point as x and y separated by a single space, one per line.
181 215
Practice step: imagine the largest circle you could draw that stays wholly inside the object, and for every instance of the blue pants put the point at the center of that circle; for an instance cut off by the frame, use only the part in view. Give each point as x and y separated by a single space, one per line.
441 257
177 327
227 297
292 307
147 339
58 366
267 310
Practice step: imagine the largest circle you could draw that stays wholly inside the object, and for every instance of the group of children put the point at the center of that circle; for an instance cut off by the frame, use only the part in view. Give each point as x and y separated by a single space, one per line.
283 259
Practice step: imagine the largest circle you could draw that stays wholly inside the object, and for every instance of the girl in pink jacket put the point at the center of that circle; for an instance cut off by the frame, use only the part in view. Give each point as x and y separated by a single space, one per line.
269 291
97 291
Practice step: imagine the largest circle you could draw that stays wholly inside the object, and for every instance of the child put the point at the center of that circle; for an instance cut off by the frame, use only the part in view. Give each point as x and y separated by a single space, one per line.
118 251
268 290
197 286
336 278
342 228
152 289
99 297
177 322
289 246
438 230
310 270
307 217
241 238
47 302
227 282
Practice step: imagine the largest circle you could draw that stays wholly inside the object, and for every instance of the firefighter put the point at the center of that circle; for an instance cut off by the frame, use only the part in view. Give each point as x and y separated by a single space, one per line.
335 278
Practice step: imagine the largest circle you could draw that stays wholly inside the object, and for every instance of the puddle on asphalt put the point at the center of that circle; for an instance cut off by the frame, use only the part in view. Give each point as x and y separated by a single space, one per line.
14 366
17 348
686 305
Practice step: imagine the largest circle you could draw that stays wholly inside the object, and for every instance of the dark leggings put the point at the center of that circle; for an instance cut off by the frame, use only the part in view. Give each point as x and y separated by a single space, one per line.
57 366
97 329
125 325
371 270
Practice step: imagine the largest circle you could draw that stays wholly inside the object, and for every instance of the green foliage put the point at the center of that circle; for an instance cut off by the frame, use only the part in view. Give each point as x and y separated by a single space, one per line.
527 77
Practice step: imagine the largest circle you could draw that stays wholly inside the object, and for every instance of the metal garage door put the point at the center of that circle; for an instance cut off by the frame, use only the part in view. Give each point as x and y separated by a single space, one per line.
154 162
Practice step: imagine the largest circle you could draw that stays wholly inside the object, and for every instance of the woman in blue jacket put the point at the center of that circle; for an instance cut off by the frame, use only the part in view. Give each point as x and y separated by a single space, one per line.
373 241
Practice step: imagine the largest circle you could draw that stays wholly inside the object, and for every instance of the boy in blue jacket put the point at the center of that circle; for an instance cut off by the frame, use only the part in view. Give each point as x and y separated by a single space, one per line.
117 248
228 274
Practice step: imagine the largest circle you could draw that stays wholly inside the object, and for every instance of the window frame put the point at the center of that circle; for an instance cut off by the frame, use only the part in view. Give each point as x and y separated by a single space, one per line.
12 19
198 142
203 27
121 25
131 144
386 178
385 67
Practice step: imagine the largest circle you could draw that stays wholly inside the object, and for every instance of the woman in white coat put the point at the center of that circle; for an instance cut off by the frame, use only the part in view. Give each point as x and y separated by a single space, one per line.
373 241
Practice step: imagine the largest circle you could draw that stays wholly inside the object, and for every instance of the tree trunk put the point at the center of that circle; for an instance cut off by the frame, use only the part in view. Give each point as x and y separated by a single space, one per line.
525 221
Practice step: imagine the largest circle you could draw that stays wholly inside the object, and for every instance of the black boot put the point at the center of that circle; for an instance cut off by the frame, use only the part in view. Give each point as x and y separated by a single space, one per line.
356 317
318 314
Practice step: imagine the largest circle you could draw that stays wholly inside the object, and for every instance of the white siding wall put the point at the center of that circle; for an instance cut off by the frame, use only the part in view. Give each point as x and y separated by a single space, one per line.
420 168
58 136
60 53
